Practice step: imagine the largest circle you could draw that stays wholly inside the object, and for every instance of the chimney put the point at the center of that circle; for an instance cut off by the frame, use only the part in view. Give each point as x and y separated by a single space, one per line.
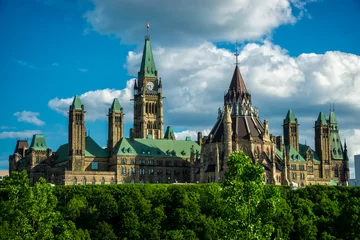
199 138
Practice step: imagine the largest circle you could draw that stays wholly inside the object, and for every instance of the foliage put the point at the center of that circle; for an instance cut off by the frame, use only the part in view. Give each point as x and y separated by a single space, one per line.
175 211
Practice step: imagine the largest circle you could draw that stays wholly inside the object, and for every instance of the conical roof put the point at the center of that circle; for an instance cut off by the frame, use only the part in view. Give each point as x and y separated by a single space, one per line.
237 82
116 107
76 104
321 119
290 118
147 68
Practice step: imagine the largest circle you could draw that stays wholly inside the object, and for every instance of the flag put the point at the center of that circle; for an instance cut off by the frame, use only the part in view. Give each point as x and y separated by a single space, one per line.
147 25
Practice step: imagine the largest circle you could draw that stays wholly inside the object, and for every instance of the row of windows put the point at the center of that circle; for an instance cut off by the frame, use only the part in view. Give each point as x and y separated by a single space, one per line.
93 181
302 176
157 162
301 167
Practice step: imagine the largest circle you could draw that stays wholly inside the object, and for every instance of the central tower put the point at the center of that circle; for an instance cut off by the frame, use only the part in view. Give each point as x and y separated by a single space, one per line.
148 105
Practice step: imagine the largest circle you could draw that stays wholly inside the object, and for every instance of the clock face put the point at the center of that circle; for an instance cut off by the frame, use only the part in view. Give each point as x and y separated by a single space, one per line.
150 85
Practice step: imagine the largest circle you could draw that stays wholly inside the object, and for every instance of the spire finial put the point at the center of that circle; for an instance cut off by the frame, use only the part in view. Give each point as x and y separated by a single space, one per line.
236 54
333 107
147 27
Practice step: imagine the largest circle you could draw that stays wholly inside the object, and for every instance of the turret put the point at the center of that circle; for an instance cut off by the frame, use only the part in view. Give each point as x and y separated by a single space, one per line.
291 131
346 170
322 144
227 135
169 134
76 135
115 125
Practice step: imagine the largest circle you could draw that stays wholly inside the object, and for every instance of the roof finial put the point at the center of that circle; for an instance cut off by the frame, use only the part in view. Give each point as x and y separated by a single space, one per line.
236 54
333 107
147 27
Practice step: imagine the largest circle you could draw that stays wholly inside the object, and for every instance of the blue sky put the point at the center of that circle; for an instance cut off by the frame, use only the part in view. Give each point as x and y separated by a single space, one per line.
53 50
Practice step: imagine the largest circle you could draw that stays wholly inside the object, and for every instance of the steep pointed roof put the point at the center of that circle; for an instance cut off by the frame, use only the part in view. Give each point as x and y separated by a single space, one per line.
76 104
332 118
147 68
290 118
321 119
115 107
237 82
169 134
38 142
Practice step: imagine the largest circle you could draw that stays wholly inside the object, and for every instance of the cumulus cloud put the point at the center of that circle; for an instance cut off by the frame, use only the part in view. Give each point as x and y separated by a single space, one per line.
29 117
19 134
97 102
187 22
190 133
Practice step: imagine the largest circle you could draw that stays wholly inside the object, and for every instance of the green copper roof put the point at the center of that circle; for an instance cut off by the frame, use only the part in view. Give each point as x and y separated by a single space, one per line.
156 148
62 153
38 142
294 155
169 134
115 107
147 68
290 118
332 118
321 119
303 149
279 153
336 148
92 149
76 104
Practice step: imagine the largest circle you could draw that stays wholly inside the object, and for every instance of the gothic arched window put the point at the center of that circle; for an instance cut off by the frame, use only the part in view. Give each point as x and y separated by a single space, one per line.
83 181
102 180
74 182
93 180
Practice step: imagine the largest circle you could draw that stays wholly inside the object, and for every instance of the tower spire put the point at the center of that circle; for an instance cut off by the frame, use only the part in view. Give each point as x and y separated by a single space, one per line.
147 28
236 54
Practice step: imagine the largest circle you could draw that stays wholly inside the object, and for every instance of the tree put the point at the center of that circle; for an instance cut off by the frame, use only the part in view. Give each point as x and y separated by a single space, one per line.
247 202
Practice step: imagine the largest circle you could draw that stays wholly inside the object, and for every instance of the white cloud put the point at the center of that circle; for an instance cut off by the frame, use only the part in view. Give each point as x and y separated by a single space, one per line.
186 22
189 133
83 70
25 64
97 103
19 134
29 117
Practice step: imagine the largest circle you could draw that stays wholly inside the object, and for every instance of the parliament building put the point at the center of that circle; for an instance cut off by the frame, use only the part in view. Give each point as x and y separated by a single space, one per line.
151 155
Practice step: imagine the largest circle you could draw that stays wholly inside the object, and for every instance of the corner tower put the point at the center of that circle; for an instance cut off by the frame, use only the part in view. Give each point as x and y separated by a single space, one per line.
148 105
322 144
116 126
76 135
291 131
335 141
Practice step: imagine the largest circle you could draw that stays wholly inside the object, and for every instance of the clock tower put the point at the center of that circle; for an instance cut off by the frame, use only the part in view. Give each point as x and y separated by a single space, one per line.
148 105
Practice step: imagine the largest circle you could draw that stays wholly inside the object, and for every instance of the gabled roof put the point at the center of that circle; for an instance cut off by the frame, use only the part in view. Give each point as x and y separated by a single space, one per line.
76 104
115 106
169 134
303 149
147 68
38 142
92 149
290 118
294 155
321 119
237 83
279 153
156 147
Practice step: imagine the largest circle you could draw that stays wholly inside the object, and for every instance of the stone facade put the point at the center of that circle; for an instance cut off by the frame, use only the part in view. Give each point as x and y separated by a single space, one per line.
146 157
238 128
